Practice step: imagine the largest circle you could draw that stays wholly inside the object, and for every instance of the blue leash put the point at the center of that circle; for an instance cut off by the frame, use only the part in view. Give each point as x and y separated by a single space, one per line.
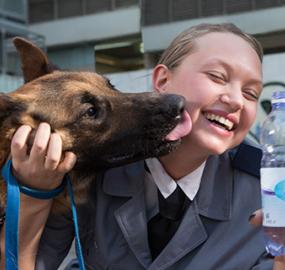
12 218
12 215
76 230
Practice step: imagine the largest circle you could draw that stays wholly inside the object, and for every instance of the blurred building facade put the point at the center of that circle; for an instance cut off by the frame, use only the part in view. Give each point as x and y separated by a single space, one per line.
13 22
263 18
124 35
120 35
88 34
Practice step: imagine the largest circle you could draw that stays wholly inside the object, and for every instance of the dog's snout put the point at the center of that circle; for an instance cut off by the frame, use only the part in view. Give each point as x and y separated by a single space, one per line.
175 103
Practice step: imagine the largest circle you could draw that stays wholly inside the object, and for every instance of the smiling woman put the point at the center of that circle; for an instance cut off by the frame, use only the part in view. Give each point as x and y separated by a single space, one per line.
220 85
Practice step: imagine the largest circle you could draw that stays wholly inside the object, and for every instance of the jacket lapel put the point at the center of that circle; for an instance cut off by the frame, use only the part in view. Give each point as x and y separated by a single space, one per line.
212 201
190 234
132 221
131 216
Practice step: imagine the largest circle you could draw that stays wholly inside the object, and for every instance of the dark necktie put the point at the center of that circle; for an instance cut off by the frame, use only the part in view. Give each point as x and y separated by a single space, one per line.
163 226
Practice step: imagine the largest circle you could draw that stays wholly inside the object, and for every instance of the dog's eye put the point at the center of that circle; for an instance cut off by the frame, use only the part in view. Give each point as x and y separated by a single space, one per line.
92 112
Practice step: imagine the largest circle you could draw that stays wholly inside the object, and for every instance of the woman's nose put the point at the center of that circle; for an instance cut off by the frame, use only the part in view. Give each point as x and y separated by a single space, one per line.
233 98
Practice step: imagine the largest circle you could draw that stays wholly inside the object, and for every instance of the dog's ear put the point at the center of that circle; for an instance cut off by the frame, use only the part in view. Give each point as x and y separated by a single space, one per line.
34 61
8 106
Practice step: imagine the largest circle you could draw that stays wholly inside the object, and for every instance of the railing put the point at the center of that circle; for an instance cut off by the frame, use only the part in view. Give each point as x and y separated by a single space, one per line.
163 11
14 9
48 10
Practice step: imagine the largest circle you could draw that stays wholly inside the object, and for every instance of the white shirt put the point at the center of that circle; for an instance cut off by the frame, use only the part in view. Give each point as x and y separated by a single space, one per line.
159 178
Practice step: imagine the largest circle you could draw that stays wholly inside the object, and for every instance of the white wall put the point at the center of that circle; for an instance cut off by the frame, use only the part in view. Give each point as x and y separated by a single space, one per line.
133 81
274 67
273 72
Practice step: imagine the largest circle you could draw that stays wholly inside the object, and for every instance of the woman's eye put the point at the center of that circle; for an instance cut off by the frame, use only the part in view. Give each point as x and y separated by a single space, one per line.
92 112
218 78
251 95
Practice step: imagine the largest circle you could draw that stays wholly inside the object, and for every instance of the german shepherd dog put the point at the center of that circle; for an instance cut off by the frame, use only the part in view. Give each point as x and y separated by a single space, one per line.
102 126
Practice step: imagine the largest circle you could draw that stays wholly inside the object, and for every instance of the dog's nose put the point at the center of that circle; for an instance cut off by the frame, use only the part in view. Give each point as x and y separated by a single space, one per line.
176 103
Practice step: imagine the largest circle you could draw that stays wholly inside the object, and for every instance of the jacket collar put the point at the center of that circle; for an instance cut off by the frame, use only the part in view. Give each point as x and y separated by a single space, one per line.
214 199
125 181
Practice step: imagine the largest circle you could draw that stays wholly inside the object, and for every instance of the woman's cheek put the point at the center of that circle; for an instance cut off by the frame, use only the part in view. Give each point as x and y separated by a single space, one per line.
251 114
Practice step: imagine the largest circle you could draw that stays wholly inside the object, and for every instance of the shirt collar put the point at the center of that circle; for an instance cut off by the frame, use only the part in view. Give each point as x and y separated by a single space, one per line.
166 184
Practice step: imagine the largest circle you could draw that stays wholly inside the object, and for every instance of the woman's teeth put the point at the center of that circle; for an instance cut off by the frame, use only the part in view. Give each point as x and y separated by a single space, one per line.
220 120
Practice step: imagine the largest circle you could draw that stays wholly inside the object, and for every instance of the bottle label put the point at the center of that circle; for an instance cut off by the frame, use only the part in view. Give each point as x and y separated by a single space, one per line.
273 196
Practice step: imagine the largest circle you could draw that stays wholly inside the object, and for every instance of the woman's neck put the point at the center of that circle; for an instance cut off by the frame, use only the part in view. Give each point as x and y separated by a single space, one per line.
181 162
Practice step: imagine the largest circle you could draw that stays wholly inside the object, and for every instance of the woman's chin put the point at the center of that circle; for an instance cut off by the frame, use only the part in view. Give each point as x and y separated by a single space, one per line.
217 148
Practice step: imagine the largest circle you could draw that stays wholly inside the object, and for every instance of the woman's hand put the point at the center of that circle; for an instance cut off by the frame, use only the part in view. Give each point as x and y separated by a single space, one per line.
44 167
256 220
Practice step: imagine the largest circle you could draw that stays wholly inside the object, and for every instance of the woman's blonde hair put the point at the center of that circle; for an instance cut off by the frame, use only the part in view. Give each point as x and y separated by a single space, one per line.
183 44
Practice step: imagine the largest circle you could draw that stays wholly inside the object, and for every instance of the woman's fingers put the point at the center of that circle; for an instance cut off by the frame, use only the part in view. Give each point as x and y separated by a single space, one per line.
19 143
68 162
53 155
44 167
54 158
279 263
40 144
256 218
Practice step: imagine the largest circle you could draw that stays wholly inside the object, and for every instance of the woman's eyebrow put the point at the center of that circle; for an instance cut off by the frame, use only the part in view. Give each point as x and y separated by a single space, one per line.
256 82
218 62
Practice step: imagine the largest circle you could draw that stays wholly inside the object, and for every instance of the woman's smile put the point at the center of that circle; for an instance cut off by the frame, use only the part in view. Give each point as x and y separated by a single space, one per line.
221 119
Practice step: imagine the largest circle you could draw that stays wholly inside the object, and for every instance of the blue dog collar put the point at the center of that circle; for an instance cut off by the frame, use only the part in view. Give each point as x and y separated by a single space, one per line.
42 194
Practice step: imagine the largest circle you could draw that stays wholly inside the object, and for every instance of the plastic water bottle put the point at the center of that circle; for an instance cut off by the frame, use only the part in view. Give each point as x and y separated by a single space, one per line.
272 139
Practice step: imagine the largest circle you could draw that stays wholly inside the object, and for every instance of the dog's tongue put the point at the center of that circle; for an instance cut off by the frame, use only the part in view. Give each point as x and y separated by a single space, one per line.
182 128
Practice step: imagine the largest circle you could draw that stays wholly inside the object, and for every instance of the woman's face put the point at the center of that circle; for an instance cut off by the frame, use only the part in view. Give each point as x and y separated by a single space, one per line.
221 80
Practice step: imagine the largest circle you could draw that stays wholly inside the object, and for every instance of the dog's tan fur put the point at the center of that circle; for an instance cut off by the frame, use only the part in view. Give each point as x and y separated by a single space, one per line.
101 125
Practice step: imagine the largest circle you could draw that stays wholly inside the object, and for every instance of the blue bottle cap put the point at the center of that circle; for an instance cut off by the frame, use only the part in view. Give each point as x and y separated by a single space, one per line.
278 97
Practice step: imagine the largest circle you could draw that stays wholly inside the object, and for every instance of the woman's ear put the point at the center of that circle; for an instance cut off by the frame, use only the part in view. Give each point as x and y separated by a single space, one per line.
160 78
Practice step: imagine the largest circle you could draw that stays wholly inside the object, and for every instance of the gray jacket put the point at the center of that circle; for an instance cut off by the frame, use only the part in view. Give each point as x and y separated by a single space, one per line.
214 234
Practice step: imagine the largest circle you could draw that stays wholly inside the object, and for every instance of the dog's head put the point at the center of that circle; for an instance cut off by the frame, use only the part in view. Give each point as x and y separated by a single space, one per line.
102 126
